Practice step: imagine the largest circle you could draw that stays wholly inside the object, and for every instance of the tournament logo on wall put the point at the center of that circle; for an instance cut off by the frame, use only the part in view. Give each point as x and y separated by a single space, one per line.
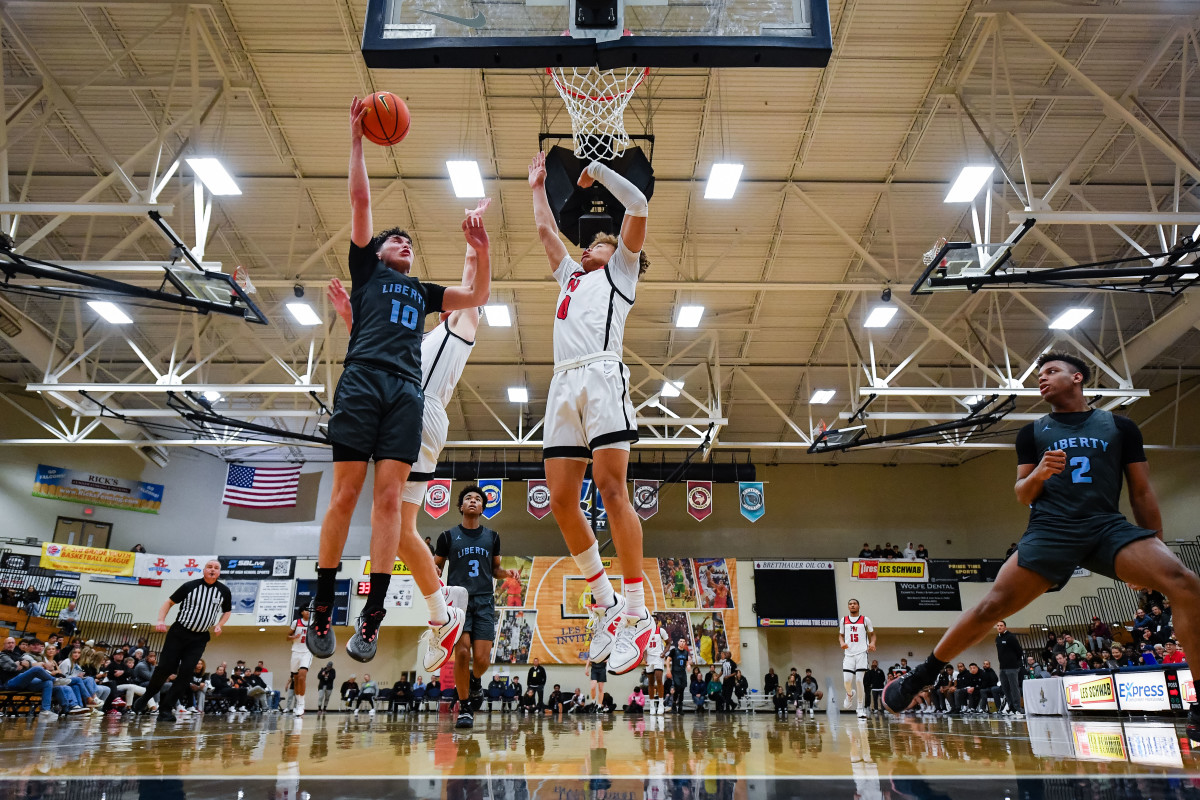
493 496
537 501
645 498
752 500
699 499
437 497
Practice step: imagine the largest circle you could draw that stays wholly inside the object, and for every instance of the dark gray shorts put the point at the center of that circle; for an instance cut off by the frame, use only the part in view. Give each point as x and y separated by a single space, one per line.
376 415
1053 550
600 672
481 618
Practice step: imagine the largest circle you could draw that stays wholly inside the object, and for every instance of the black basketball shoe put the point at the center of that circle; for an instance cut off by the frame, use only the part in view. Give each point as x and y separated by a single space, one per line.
475 701
363 643
319 638
465 719
900 692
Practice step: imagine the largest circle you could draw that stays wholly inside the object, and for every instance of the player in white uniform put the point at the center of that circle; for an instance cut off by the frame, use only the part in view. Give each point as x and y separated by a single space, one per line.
444 354
589 414
656 649
301 659
856 635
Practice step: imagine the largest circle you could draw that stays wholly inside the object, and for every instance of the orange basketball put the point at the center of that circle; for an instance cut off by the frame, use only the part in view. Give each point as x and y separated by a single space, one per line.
386 122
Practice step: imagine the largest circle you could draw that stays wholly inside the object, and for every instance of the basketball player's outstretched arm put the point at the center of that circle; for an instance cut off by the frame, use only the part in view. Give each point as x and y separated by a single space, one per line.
465 321
547 228
361 229
477 292
637 209
339 298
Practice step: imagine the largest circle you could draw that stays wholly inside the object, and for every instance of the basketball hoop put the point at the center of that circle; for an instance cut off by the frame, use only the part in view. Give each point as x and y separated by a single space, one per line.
242 278
931 254
596 101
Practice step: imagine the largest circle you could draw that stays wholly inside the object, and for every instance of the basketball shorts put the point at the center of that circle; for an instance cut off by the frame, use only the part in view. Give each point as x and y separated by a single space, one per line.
434 429
301 660
855 662
481 618
588 408
600 672
1054 548
654 664
376 414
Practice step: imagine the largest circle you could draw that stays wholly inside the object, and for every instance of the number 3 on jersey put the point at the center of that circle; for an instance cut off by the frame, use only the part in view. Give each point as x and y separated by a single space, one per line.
572 285
474 573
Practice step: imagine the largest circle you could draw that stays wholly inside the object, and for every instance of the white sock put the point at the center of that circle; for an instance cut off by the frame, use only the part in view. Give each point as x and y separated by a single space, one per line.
592 568
635 596
438 612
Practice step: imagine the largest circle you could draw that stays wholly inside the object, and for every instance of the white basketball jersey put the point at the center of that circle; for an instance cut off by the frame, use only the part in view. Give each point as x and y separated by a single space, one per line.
592 306
855 632
444 355
656 647
298 645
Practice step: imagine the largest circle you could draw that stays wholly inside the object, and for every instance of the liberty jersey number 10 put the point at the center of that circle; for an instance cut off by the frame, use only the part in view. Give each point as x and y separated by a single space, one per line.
405 315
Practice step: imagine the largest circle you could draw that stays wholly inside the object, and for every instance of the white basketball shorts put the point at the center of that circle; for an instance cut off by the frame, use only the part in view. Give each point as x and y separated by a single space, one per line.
654 664
855 662
588 409
434 429
301 660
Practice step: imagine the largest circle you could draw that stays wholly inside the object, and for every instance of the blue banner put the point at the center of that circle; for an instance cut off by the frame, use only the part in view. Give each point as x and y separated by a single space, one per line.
752 500
493 495
585 502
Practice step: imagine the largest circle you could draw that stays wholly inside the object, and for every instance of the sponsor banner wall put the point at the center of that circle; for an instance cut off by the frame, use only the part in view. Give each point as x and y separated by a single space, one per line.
75 486
97 560
894 570
793 565
1154 743
398 567
1098 741
274 606
148 565
1142 691
931 596
1091 692
256 567
551 622
971 570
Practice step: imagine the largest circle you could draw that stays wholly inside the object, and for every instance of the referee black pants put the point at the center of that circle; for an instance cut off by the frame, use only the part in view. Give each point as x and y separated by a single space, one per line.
180 653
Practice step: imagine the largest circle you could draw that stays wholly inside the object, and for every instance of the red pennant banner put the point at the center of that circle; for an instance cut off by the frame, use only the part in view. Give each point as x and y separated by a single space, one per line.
699 498
437 497
537 500
645 498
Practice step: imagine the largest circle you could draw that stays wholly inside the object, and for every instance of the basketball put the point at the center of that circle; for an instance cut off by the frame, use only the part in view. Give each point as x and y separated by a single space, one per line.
386 122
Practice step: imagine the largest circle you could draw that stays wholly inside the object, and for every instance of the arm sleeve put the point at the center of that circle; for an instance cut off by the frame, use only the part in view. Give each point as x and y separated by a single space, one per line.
442 548
226 599
434 296
361 261
1027 446
182 592
1133 449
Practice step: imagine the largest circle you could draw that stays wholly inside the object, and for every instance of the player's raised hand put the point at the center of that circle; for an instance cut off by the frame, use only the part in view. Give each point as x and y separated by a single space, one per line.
474 231
358 110
585 180
537 171
338 297
479 209
1052 463
515 574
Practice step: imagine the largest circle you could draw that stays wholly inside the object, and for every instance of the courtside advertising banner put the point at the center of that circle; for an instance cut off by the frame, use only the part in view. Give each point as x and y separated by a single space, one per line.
1092 692
75 486
537 499
95 560
699 499
1142 691
437 497
751 499
645 498
896 570
148 565
493 496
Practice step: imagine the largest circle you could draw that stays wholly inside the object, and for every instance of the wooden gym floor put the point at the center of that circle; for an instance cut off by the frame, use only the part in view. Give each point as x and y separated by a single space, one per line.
507 756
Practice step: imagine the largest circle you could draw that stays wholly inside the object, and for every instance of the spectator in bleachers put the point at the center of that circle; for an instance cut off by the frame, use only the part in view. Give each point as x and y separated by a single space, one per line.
810 691
1172 654
1098 635
349 691
943 691
876 552
72 667
68 619
137 548
698 689
1072 646
528 703
225 689
20 672
1165 605
909 552
636 702
366 693
1159 625
873 683
1012 548
30 599
554 703
770 682
922 553
866 551
779 700
969 690
256 688
325 686
1063 665
198 688
1033 669
402 694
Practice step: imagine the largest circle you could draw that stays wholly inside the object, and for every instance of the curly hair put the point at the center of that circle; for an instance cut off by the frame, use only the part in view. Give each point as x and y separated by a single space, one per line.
608 238
378 240
1077 363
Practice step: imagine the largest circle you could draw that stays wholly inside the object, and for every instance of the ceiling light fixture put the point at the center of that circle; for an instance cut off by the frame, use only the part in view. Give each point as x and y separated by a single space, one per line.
465 177
671 388
213 175
498 315
303 313
968 183
689 316
880 316
110 311
518 394
822 396
1070 318
722 181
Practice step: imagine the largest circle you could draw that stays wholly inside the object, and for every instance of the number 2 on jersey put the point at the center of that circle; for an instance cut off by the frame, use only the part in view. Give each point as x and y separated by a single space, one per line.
1080 474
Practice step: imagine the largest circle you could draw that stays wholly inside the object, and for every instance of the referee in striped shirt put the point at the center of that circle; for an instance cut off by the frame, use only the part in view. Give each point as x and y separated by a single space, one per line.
200 602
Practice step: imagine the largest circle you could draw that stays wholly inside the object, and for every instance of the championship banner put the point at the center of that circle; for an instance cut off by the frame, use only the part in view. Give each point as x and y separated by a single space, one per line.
60 483
437 497
645 498
872 570
148 565
699 499
493 496
752 500
537 499
96 560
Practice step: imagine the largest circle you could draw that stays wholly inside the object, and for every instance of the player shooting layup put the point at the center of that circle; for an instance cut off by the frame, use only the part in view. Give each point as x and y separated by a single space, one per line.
856 635
589 415
378 412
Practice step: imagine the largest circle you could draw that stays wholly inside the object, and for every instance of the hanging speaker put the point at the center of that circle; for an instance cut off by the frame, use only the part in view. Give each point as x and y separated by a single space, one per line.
582 213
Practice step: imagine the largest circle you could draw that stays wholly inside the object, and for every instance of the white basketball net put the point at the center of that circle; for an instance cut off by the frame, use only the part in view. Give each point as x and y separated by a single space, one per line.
596 101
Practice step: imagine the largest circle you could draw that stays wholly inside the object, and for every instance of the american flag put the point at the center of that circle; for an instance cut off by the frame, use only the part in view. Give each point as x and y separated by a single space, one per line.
261 487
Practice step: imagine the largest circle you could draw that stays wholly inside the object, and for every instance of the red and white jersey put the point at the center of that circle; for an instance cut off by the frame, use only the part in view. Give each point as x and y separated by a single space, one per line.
592 307
656 648
298 645
444 355
856 630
